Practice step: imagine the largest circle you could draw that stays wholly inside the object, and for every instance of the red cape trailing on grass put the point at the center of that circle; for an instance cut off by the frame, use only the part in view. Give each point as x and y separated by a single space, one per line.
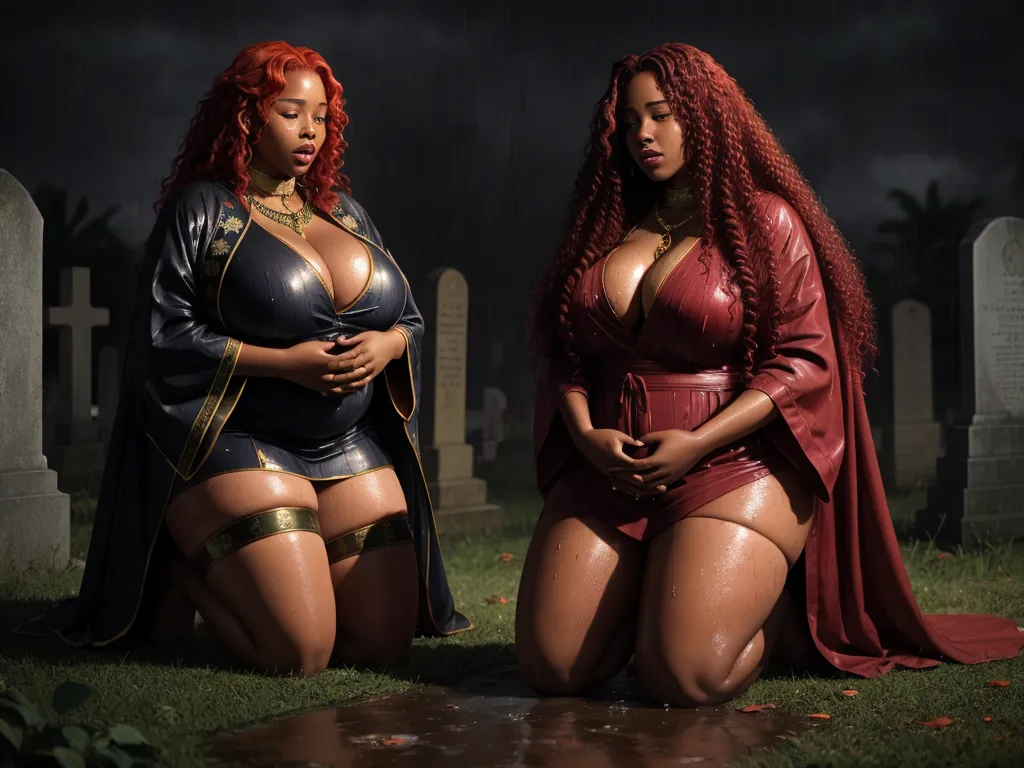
860 607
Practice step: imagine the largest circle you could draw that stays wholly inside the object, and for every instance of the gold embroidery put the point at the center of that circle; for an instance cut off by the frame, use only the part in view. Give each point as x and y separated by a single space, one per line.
211 268
209 407
266 463
349 222
220 247
232 224
383 533
240 533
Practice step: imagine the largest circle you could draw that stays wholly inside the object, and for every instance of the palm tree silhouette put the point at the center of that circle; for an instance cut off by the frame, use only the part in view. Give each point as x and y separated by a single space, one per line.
924 241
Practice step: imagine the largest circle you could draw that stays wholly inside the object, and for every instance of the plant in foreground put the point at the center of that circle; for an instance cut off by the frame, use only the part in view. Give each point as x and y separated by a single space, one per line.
28 737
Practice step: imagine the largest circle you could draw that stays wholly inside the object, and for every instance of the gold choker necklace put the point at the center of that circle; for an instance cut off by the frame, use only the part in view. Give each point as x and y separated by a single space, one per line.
678 197
268 184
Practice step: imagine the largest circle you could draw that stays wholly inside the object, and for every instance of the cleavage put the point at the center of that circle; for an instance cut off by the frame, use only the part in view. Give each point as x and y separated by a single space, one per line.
342 262
631 278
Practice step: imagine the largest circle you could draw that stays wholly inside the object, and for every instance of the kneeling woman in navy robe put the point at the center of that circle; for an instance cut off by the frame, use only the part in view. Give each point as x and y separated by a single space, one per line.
264 467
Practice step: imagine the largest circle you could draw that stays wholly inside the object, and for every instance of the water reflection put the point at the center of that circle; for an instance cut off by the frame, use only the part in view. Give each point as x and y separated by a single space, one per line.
502 726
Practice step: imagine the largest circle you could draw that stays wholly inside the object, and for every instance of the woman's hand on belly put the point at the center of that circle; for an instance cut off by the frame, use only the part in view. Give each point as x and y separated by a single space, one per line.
310 364
604 449
677 451
367 355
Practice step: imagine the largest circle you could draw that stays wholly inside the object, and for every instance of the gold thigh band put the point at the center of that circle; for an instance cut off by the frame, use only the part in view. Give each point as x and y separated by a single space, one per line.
236 535
383 533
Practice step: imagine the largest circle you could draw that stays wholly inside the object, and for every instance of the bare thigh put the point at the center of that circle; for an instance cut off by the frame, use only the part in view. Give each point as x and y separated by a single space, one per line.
279 588
712 590
577 605
377 592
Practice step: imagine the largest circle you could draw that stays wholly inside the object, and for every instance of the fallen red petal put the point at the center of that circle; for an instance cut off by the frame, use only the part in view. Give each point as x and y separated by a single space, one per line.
998 684
755 707
506 556
850 693
938 722
988 719
942 555
820 716
451 706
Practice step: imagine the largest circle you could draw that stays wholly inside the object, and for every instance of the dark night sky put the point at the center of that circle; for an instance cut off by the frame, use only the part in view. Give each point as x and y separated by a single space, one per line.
468 119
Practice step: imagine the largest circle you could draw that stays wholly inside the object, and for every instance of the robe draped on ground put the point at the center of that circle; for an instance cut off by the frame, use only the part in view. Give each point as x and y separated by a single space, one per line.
212 281
679 369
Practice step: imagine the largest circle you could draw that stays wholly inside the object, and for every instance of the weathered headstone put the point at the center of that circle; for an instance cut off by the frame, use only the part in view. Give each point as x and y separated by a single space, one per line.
78 452
108 385
495 405
459 498
979 495
915 438
34 515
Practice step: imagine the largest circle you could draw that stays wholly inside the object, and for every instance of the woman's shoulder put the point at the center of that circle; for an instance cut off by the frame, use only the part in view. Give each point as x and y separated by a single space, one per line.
775 208
348 205
353 216
200 196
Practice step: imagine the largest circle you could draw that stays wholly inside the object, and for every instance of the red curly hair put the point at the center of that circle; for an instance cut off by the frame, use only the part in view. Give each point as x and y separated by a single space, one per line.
732 154
218 144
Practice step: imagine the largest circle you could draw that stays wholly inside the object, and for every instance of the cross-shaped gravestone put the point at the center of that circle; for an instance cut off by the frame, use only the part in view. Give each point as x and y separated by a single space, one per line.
76 317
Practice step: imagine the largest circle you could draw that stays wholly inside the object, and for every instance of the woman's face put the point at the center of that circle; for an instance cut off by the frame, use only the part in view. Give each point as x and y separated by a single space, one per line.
653 134
297 126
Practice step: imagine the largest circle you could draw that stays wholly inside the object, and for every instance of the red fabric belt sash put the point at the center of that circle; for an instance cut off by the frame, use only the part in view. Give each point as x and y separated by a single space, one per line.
637 379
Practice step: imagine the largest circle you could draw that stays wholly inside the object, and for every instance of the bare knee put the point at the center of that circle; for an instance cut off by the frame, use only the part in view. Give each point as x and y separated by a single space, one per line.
557 669
304 654
686 680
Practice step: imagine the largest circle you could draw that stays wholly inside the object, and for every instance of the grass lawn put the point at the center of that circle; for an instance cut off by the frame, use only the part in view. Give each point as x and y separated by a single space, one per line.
177 701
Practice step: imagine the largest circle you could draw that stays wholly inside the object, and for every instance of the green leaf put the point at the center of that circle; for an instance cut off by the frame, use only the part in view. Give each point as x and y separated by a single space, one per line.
125 735
68 758
12 733
117 756
76 737
29 715
70 695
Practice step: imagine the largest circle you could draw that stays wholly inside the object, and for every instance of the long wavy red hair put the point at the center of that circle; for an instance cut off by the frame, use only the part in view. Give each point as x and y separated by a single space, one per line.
731 154
218 144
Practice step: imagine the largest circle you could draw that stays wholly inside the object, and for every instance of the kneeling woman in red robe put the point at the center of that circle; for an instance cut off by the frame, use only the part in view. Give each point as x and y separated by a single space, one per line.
711 488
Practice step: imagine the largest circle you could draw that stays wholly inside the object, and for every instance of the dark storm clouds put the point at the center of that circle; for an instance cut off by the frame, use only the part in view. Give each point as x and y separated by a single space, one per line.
468 119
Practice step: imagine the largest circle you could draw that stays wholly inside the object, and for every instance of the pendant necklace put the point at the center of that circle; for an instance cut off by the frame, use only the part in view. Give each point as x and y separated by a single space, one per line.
666 238
295 221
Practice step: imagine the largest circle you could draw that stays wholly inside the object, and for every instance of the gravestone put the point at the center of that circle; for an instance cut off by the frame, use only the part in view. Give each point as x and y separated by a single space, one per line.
34 515
460 499
979 495
78 452
495 405
915 436
108 385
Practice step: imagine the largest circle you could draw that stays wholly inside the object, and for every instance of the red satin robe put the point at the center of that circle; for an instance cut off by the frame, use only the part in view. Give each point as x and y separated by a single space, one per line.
681 368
